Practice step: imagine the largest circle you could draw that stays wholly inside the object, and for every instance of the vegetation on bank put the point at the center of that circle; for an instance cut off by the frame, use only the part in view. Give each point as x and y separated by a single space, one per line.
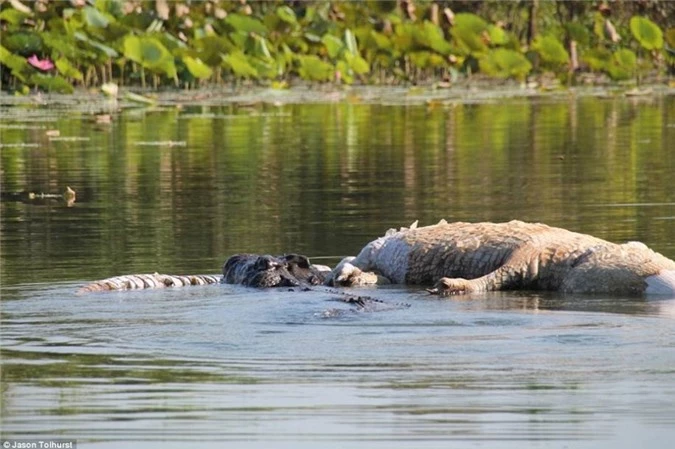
57 45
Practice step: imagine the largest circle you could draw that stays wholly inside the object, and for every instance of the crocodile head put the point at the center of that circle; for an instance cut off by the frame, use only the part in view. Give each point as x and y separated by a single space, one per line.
265 271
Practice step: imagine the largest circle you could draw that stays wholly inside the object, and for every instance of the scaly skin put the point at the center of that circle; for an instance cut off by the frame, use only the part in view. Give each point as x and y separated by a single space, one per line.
467 257
251 270
156 280
458 258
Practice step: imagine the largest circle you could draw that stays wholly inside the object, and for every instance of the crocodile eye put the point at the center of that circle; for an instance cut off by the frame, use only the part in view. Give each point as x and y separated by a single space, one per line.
265 263
297 260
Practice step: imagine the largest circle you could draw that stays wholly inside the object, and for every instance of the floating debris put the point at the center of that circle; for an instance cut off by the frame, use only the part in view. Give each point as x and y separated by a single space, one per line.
69 139
19 145
163 143
69 196
638 92
110 89
20 126
139 98
103 119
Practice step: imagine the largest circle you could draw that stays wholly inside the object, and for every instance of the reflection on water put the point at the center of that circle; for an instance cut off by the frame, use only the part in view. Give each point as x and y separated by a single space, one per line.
179 189
322 179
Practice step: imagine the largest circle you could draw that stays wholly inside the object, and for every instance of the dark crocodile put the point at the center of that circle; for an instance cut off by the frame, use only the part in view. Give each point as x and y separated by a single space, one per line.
265 271
292 271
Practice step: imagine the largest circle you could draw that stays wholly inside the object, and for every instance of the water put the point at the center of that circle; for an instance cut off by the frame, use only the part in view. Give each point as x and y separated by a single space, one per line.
224 365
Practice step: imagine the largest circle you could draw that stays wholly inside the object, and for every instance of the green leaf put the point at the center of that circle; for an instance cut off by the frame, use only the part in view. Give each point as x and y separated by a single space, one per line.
622 65
345 72
470 22
497 35
468 34
670 37
61 45
312 37
24 43
430 35
52 83
625 58
357 64
597 59
132 49
197 68
111 7
420 59
647 33
333 45
246 24
261 48
403 38
16 64
381 41
505 63
264 67
286 14
314 69
66 69
551 50
238 63
240 40
150 53
107 51
576 31
350 42
13 16
211 48
95 18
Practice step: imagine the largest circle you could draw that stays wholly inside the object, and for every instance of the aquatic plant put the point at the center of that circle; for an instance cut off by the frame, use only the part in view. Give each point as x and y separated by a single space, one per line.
93 42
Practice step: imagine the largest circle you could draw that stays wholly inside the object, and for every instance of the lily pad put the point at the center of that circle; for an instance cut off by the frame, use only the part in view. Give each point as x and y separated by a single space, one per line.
647 33
286 14
551 50
50 83
622 65
197 68
239 64
95 18
246 24
333 45
314 69
68 70
14 16
505 63
16 64
150 53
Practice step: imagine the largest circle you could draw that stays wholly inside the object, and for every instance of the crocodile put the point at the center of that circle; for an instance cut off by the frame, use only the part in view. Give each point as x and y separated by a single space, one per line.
458 258
250 270
453 258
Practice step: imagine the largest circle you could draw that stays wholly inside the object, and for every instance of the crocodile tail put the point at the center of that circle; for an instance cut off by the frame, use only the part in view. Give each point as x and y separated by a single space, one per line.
143 281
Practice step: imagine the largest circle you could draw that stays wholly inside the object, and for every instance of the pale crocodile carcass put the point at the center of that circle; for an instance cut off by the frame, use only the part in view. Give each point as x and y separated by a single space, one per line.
476 257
